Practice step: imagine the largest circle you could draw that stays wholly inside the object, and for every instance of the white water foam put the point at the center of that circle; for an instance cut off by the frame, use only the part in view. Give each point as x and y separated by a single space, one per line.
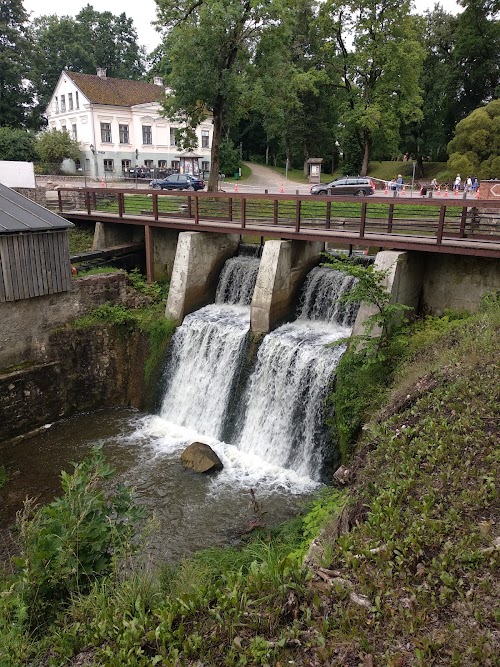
237 280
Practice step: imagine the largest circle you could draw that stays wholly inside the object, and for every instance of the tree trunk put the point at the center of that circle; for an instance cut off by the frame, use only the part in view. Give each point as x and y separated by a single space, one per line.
213 179
420 167
267 153
367 146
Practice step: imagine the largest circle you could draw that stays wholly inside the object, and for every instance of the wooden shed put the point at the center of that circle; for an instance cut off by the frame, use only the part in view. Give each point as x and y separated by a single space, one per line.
34 249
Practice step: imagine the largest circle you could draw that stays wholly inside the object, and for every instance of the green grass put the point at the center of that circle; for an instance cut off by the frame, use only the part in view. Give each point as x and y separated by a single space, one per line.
80 240
99 270
246 172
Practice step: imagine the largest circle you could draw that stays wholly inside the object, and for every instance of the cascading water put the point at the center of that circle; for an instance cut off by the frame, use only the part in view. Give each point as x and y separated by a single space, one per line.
207 353
284 401
237 280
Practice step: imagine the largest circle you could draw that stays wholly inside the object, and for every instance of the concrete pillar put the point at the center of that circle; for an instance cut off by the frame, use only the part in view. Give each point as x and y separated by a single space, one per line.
403 280
198 262
164 249
283 266
109 234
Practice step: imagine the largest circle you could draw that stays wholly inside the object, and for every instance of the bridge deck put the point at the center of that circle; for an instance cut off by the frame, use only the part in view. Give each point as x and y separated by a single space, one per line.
454 226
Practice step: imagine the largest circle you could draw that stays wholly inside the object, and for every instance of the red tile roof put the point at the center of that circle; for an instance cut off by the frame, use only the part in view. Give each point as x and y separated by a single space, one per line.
116 92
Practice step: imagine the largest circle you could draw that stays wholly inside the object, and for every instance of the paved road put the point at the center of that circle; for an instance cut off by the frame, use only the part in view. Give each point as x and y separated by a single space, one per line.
263 178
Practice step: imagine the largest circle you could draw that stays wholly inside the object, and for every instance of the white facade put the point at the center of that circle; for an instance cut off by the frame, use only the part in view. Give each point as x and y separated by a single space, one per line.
117 139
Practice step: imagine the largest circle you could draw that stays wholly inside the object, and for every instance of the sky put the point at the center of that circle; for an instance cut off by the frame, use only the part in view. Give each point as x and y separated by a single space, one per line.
144 12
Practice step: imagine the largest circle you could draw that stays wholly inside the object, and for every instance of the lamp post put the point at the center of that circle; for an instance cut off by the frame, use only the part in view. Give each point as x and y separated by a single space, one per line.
92 148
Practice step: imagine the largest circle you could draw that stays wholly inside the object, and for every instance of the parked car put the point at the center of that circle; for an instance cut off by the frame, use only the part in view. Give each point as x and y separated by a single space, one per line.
345 186
178 182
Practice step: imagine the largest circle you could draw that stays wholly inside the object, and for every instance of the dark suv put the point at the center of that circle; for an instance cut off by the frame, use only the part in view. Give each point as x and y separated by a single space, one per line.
178 182
345 186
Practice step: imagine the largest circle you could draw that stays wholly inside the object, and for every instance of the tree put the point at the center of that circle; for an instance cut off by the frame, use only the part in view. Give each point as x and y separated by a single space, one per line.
475 149
209 43
15 46
476 55
374 47
82 44
53 146
17 144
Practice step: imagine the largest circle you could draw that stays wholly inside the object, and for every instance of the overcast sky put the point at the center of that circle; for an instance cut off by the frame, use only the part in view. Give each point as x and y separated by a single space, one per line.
143 12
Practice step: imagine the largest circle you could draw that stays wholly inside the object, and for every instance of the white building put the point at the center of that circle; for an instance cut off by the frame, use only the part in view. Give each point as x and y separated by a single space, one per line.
119 127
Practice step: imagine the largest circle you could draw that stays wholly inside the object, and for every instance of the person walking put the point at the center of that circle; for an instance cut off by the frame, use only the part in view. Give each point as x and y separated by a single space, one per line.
457 183
399 183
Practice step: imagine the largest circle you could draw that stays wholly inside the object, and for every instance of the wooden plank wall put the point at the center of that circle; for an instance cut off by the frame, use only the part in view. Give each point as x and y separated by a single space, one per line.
34 264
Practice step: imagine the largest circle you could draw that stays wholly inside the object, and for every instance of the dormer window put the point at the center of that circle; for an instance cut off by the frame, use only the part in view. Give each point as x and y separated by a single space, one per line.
63 104
56 105
70 101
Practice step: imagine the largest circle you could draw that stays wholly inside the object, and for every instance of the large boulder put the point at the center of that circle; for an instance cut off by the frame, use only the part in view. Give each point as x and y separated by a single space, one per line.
199 457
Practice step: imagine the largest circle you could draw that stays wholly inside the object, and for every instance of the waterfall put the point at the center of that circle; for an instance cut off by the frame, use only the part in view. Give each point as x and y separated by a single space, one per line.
237 280
206 356
283 413
320 297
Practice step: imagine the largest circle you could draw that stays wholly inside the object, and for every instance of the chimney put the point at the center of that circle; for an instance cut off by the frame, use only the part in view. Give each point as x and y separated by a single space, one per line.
101 72
158 81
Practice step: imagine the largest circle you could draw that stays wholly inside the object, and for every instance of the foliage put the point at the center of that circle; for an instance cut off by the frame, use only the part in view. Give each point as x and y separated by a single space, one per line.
16 144
75 539
155 291
379 74
81 44
80 240
15 50
230 160
475 149
53 146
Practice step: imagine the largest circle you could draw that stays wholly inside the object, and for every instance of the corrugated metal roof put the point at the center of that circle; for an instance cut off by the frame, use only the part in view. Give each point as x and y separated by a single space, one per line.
116 92
19 214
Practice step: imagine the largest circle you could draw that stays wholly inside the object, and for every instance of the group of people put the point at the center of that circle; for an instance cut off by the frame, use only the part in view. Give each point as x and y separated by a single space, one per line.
471 184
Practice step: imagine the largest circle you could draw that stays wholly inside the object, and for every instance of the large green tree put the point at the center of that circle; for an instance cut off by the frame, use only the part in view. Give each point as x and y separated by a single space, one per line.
15 49
475 149
375 47
53 146
209 45
17 144
82 44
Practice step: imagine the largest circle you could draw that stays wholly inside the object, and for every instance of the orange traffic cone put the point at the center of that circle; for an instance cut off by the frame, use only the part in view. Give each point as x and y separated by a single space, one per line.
446 192
477 194
282 189
103 184
236 187
403 191
420 193
439 190
386 191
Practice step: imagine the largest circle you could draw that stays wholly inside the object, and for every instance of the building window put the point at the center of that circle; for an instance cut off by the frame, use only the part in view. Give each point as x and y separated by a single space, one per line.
108 165
57 105
162 164
63 127
204 166
148 164
87 164
78 165
76 100
74 132
205 135
63 104
124 134
70 101
173 139
175 165
125 164
106 133
147 135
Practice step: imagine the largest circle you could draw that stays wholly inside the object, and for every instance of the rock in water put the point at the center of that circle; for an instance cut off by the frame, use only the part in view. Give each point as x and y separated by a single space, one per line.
199 457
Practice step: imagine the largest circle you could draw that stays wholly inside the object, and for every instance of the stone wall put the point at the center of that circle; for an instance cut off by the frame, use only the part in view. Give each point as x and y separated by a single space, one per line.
85 369
25 326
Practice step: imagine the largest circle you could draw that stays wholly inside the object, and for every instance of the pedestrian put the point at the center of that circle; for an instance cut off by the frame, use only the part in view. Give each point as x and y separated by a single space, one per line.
457 183
475 184
468 184
434 184
399 183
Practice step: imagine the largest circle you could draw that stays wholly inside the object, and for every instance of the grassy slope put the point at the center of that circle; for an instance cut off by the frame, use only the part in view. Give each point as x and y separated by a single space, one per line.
421 510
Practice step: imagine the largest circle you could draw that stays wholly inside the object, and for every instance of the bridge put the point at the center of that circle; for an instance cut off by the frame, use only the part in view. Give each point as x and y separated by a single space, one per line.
450 226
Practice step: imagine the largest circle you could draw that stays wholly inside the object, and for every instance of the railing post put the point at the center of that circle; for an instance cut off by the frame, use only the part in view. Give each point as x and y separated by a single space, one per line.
439 235
94 200
230 209
243 212
390 218
297 216
155 205
59 201
328 214
196 210
190 212
275 212
363 221
121 204
463 219
87 201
